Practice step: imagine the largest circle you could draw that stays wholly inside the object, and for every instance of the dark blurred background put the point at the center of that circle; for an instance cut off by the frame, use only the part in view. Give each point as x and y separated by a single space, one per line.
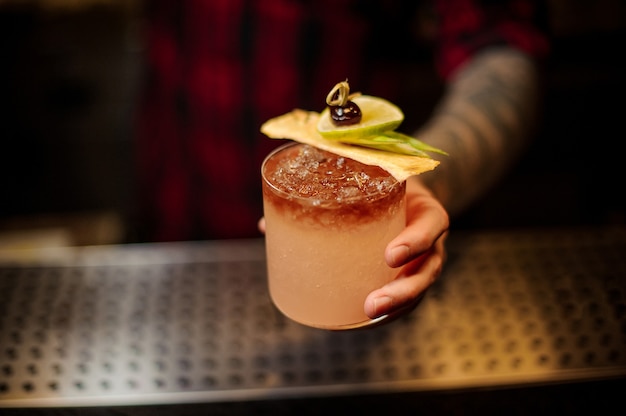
70 73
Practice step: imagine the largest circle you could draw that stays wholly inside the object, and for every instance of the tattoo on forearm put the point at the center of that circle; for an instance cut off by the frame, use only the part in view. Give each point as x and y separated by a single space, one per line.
483 122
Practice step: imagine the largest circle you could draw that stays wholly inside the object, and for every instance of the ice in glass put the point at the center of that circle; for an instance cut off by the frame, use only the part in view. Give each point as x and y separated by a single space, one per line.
328 221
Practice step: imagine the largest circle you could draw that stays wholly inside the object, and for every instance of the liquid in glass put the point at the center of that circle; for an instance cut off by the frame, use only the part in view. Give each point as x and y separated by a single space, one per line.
328 221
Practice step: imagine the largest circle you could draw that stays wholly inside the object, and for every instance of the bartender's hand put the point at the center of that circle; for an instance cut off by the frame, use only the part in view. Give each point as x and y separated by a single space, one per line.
418 251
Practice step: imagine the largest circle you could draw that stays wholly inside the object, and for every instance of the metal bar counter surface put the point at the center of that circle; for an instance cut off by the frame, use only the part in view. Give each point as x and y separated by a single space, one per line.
191 323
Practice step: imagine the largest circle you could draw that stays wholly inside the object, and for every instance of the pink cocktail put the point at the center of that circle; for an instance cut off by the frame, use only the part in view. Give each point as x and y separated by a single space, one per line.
328 221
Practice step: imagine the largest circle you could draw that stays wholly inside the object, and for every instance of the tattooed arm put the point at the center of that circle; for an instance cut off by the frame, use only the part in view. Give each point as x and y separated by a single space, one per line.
484 122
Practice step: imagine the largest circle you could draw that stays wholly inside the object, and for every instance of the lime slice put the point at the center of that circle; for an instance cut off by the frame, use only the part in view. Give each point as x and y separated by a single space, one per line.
378 116
301 126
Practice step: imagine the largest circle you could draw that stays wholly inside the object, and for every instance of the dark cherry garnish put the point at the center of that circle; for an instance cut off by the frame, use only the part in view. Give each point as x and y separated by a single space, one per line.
345 115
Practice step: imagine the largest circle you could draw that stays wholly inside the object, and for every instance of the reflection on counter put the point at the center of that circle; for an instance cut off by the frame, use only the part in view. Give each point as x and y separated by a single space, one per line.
524 314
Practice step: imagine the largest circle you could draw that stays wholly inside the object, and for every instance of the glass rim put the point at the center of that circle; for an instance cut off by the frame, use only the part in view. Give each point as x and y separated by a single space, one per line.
320 203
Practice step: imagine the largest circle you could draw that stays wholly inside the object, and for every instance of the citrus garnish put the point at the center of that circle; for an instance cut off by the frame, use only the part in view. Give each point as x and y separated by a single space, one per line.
301 126
377 115
372 139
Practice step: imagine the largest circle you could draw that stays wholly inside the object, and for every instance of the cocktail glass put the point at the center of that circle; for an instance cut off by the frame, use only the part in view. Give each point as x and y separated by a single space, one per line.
328 220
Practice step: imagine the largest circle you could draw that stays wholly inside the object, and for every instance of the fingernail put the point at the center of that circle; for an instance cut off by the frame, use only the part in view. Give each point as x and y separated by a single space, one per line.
382 305
399 255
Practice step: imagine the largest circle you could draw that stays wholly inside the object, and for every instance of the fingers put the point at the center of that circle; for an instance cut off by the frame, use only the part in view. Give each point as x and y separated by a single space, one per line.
418 249
412 281
427 221
261 225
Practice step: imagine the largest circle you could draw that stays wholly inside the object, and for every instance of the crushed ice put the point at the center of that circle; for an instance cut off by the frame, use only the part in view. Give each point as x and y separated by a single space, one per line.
312 173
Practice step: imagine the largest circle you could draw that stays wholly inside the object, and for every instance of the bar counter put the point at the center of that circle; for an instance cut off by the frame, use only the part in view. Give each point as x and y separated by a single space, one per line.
148 326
